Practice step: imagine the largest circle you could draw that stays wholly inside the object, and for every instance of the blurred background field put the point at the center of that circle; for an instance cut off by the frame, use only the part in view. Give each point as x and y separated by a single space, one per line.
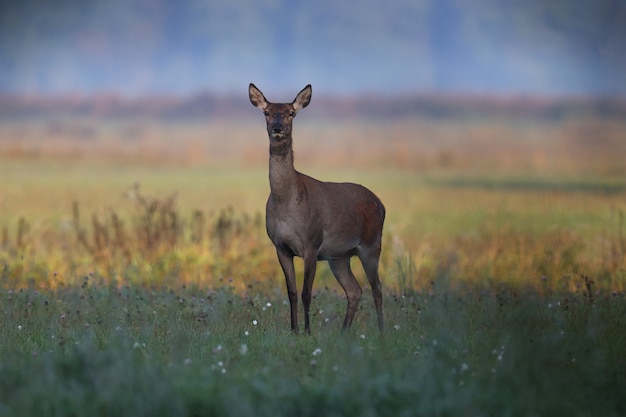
490 196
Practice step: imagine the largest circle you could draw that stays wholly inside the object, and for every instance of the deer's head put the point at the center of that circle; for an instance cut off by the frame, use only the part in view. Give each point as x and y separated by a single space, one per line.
279 116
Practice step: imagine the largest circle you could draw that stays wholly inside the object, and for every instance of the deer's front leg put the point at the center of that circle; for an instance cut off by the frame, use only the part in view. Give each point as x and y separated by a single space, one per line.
286 263
310 265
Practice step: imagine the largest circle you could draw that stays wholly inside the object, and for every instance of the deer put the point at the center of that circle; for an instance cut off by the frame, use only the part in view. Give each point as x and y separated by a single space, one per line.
316 220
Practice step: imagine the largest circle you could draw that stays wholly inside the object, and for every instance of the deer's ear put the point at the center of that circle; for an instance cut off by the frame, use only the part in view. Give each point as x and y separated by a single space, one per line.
256 97
303 98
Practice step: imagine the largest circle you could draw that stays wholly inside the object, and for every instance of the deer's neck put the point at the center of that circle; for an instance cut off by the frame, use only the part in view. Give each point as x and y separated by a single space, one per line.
283 180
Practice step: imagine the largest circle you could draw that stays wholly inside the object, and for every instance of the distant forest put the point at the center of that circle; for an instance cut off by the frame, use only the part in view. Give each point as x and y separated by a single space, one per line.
171 46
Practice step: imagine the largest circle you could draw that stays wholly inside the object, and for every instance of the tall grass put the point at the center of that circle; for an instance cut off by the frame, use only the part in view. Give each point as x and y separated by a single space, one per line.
151 241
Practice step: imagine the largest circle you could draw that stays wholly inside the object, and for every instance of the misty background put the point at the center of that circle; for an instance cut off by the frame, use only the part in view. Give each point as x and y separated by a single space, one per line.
138 47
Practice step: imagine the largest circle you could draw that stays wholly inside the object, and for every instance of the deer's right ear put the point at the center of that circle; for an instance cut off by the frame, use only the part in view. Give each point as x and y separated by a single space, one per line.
256 97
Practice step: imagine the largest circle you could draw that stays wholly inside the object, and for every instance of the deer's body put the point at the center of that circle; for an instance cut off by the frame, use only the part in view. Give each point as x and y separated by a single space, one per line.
317 220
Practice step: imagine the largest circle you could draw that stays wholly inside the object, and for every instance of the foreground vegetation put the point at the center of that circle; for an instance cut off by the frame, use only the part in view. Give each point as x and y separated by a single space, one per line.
102 349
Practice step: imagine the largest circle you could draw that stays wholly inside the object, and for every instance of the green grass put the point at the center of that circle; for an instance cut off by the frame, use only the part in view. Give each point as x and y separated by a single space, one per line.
99 349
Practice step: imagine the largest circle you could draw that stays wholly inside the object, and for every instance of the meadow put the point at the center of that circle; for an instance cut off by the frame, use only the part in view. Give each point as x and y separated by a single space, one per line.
137 278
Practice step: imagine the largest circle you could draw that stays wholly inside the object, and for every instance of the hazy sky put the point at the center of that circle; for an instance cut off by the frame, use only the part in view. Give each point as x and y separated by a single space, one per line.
172 46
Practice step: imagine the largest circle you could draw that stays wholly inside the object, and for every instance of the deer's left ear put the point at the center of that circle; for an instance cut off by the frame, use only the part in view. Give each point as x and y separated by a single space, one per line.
256 97
303 98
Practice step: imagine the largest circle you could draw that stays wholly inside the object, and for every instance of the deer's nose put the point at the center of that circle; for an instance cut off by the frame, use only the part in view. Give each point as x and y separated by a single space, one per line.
277 127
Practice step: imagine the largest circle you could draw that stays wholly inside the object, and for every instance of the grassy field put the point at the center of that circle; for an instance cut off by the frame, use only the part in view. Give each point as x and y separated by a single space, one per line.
137 278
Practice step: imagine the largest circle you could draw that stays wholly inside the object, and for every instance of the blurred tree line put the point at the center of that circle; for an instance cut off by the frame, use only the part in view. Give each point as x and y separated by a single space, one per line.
136 46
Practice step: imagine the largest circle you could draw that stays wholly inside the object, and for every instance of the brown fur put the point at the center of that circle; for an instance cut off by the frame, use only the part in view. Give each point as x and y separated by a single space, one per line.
317 220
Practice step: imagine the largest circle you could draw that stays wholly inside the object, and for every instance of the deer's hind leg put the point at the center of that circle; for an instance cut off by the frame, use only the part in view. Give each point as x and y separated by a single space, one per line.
341 269
370 265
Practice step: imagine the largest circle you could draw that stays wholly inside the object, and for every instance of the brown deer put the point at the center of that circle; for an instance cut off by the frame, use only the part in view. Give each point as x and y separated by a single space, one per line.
317 220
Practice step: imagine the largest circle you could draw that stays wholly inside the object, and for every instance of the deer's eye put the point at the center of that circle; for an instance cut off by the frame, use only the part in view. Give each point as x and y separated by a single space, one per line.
292 113
266 113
